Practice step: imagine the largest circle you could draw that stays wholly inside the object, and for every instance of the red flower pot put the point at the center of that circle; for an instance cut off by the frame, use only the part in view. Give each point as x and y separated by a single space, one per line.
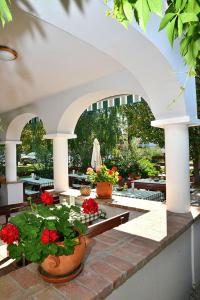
104 190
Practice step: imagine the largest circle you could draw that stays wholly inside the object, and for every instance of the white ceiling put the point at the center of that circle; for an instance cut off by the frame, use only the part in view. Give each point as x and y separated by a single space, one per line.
49 61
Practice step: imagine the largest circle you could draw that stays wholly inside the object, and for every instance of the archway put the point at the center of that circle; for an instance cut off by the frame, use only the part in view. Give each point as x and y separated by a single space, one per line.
180 175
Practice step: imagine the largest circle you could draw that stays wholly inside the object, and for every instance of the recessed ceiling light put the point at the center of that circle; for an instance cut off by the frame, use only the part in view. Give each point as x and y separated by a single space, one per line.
7 54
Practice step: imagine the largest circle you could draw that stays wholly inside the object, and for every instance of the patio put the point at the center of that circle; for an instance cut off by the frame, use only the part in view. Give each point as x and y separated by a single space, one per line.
137 248
62 70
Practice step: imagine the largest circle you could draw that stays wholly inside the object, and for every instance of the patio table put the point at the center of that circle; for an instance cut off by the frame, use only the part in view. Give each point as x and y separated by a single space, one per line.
140 194
38 184
76 178
151 184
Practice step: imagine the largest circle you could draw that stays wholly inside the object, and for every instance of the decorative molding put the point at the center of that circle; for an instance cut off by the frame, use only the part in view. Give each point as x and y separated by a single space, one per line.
187 120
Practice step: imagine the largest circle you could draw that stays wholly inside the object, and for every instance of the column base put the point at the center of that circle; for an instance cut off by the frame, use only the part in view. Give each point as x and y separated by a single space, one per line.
11 193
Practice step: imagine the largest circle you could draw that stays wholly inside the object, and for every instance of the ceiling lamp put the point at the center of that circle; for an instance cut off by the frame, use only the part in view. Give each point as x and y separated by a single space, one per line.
7 54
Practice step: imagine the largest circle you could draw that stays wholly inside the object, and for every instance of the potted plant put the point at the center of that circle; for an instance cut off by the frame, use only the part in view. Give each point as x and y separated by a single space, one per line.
51 235
104 179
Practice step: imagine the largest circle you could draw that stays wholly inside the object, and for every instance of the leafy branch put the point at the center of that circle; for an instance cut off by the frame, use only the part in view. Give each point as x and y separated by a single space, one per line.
181 20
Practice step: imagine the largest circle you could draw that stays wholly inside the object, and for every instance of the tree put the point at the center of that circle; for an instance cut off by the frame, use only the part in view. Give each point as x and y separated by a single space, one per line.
181 18
100 124
139 117
33 141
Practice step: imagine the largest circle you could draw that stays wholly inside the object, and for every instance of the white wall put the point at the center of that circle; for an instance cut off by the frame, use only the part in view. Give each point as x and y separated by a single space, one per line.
168 276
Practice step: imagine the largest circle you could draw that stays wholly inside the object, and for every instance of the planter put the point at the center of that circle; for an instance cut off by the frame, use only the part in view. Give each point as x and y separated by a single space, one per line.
59 269
104 190
85 190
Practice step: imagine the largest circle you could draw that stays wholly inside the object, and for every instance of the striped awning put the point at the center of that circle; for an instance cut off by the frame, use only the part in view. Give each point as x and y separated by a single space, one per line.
114 102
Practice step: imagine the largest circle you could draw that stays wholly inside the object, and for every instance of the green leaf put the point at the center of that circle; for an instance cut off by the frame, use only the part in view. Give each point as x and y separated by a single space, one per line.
184 46
75 208
195 47
128 10
178 4
50 225
170 31
193 7
143 11
19 220
71 242
166 19
5 13
155 6
188 17
68 250
53 249
180 27
80 226
15 251
183 4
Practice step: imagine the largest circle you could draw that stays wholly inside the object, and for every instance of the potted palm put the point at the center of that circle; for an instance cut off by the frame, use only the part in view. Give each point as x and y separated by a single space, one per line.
104 179
51 235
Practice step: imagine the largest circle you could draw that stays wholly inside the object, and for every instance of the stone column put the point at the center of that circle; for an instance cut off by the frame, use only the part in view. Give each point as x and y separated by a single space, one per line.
60 160
177 168
12 191
11 160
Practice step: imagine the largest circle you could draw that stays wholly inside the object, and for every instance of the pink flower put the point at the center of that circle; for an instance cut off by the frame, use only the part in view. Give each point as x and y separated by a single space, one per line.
89 170
98 169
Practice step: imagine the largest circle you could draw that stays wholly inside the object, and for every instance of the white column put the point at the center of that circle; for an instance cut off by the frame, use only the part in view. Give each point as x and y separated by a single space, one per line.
177 168
11 160
60 160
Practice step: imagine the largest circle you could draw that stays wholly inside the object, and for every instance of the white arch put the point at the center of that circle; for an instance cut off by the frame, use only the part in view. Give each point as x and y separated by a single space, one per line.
73 112
153 66
16 126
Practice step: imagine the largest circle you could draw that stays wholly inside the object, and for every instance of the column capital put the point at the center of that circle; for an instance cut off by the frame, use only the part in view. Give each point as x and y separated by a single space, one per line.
10 142
185 120
67 136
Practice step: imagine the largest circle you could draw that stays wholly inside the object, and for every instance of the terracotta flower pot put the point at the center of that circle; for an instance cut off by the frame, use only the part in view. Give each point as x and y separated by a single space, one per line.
62 267
104 190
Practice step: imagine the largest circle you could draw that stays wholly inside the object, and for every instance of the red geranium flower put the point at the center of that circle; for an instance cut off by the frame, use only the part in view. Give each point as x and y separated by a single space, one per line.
9 233
90 206
110 172
46 198
53 235
114 169
49 236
